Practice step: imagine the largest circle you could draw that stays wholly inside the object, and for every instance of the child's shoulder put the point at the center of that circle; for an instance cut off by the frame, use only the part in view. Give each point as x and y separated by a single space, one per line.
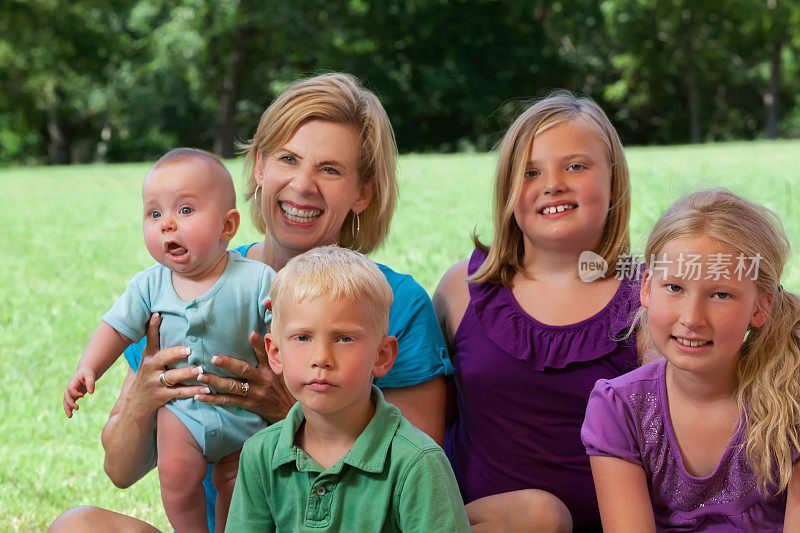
412 441
243 267
156 273
262 445
636 393
645 377
243 262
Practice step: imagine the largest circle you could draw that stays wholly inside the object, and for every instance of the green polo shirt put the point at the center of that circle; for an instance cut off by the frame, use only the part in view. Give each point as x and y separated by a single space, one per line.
394 478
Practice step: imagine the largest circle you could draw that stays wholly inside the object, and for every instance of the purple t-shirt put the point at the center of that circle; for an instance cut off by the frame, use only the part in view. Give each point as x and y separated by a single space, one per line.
628 417
522 393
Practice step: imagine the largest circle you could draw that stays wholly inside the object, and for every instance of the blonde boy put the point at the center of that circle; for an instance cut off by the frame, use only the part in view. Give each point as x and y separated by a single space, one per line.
343 459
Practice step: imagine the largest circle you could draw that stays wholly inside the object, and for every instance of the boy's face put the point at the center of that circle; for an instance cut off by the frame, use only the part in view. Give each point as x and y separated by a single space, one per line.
328 351
186 227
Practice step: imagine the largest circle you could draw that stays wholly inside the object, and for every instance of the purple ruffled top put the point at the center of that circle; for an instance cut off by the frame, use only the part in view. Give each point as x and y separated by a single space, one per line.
522 393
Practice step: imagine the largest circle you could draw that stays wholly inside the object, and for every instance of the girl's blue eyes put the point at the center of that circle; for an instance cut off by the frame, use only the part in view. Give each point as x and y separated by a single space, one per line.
574 167
671 287
155 215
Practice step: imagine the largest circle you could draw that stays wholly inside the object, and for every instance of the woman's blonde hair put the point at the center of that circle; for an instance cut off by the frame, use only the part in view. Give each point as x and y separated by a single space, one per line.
768 373
336 273
505 255
338 98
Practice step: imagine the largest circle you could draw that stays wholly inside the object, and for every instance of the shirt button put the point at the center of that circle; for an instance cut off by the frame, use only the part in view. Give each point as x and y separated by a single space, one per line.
191 338
321 491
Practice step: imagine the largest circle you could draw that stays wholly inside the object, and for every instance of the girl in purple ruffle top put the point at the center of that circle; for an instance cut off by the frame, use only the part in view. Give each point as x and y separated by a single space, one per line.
706 438
534 320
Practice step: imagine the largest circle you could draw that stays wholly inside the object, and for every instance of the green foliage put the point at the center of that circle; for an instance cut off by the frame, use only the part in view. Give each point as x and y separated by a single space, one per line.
112 81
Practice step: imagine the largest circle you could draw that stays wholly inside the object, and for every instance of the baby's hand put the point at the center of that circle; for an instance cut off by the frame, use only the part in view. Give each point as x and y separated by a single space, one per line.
80 384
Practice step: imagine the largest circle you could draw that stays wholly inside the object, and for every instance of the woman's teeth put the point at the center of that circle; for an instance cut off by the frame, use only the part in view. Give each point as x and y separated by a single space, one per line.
693 344
557 209
300 215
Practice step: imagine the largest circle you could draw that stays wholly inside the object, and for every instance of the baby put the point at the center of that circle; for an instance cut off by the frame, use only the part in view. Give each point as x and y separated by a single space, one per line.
343 459
209 300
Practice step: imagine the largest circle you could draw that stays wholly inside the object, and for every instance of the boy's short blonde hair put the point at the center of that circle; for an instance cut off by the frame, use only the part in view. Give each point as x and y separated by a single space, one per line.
337 273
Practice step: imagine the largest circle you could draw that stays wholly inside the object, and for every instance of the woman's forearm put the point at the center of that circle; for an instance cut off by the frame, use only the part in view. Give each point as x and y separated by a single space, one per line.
128 439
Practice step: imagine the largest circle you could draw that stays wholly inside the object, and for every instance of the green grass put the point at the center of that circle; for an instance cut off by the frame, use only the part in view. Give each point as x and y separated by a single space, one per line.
71 239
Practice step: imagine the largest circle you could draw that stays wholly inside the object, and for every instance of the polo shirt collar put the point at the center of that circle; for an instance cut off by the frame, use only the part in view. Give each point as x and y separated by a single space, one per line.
368 452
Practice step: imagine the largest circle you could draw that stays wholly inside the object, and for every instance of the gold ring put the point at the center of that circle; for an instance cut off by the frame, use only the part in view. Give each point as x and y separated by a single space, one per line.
245 387
163 380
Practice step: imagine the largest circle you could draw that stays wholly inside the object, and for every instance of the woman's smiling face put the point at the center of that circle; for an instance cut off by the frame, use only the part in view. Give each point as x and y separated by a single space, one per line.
310 184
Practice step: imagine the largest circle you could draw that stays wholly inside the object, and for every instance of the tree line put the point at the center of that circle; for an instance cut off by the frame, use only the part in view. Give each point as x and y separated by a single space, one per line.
125 80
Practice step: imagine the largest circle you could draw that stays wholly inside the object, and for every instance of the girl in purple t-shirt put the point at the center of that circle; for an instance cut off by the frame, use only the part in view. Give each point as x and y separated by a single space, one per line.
706 438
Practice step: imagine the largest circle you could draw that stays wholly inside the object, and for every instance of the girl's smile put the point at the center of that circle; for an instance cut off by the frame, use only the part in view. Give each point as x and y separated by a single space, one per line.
697 322
566 191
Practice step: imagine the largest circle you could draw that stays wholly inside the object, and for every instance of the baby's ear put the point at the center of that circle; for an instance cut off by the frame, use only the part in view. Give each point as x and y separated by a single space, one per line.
387 352
273 354
230 224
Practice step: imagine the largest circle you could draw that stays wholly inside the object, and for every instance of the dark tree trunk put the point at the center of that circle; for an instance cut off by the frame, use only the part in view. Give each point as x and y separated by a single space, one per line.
59 143
692 86
772 97
229 95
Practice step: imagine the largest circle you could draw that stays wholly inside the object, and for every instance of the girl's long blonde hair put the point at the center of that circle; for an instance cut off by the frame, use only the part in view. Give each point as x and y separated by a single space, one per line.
505 255
768 373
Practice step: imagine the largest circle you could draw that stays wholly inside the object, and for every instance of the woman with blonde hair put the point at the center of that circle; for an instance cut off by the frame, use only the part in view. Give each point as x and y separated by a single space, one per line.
531 327
320 170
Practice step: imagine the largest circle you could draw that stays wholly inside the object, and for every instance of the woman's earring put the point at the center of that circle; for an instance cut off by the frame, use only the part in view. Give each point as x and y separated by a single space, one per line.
355 227
257 198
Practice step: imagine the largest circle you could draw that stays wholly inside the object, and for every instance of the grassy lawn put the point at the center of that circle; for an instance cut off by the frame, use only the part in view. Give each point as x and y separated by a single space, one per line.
72 239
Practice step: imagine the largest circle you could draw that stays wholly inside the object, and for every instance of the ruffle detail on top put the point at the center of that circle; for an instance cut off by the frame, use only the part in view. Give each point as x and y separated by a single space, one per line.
551 347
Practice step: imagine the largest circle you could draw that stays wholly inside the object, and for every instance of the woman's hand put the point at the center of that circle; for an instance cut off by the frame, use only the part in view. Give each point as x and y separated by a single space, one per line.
129 435
265 392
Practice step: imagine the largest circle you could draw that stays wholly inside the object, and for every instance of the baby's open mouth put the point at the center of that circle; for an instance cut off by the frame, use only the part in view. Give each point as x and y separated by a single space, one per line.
299 215
174 249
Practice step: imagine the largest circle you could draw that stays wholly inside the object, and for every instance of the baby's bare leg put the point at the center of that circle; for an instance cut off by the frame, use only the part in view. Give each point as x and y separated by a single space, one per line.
224 478
181 469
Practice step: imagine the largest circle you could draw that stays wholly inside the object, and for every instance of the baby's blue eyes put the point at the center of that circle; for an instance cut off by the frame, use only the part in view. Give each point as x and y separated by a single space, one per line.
185 210
155 215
